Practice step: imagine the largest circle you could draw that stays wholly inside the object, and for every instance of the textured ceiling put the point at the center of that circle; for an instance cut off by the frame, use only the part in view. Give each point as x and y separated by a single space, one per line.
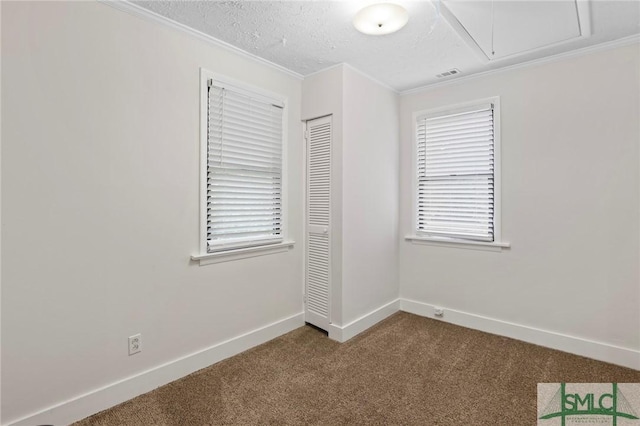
308 36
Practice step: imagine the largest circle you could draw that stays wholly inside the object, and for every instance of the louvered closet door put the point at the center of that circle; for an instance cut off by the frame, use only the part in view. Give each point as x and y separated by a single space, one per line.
318 252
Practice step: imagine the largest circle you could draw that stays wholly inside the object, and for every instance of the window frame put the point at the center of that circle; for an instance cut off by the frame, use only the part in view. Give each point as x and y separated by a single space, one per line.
422 237
243 248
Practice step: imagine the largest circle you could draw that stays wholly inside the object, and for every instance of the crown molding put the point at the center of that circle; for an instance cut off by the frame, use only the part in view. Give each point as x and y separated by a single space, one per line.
375 80
351 67
625 41
133 9
141 12
330 67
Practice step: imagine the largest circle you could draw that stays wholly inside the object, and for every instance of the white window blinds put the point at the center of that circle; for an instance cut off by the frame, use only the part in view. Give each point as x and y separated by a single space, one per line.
244 168
455 194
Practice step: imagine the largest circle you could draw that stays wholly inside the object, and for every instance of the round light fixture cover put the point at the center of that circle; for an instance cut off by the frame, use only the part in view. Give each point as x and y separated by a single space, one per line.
380 19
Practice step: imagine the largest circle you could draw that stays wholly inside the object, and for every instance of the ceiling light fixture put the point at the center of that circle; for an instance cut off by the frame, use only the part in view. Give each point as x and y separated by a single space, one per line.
379 19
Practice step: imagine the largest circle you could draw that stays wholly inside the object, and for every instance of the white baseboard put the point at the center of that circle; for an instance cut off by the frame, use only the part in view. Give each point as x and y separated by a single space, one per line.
596 350
352 329
100 399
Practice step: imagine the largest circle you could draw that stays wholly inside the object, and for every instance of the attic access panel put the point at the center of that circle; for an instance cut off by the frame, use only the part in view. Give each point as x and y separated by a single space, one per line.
500 29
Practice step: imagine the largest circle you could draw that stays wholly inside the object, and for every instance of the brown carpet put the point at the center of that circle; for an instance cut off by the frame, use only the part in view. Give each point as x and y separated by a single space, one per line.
407 370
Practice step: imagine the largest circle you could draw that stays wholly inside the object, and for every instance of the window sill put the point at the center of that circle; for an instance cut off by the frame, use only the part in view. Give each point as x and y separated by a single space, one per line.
449 242
241 253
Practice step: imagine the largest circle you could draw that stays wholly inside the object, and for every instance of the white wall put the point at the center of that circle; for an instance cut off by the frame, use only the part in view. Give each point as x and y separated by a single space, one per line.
0 219
370 195
570 202
100 203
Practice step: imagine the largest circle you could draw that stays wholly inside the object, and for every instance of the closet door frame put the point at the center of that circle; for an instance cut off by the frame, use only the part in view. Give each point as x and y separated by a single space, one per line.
311 315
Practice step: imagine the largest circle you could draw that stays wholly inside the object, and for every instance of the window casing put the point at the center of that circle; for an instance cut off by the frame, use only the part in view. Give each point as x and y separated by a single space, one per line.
242 166
457 186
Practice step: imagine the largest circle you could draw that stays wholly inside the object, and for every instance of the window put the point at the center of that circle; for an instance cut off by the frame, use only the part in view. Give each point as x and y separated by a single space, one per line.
243 161
457 158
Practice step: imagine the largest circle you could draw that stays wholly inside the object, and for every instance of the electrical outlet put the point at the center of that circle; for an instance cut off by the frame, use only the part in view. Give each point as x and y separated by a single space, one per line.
438 311
135 344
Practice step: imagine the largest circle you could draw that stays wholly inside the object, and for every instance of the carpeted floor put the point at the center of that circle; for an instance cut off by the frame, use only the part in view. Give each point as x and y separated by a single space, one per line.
407 370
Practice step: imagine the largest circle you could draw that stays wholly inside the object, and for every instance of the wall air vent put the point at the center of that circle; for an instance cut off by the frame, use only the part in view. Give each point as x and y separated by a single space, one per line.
452 71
